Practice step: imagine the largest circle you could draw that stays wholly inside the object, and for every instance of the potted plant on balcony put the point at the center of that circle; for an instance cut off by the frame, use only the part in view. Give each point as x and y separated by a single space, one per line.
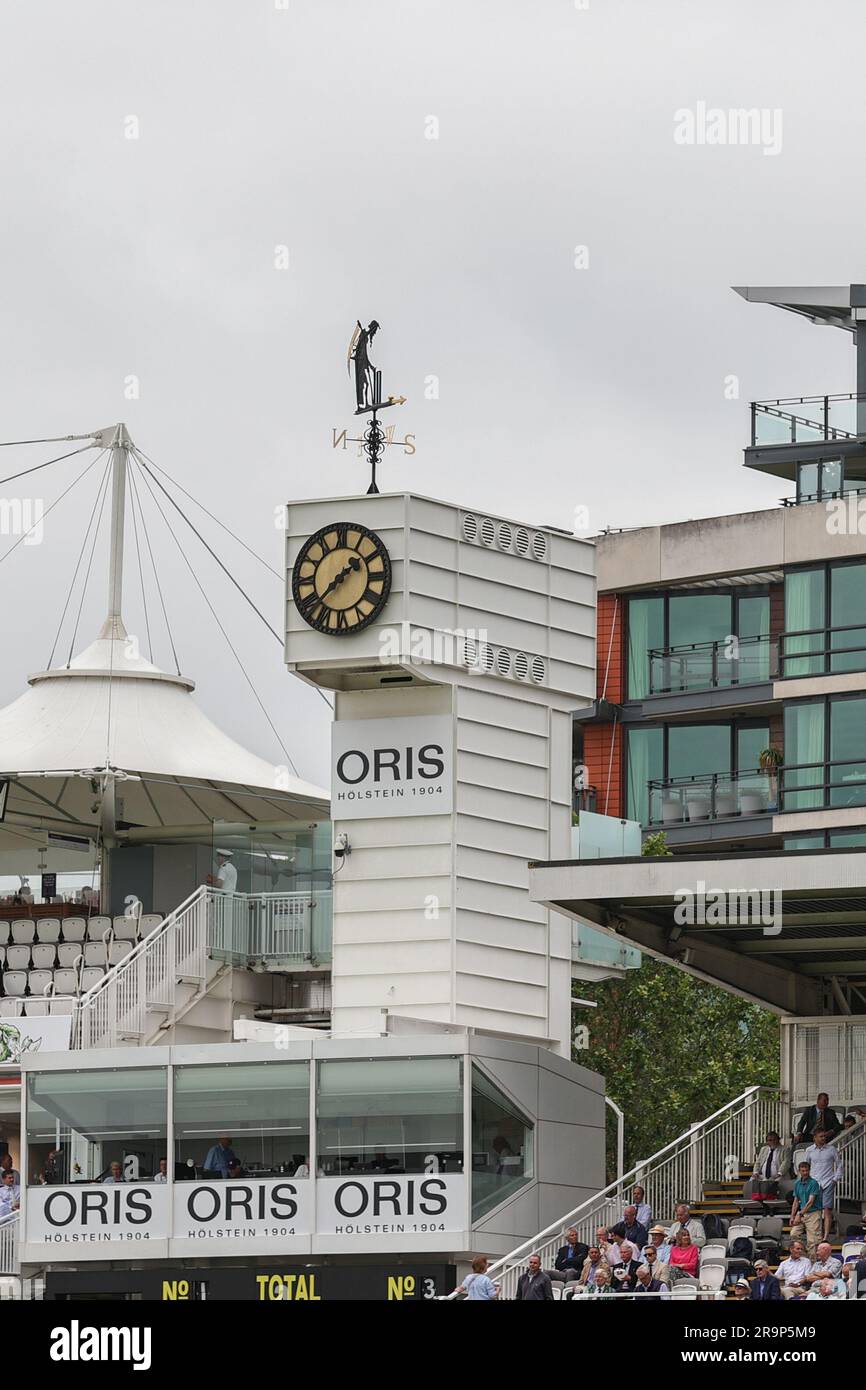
769 761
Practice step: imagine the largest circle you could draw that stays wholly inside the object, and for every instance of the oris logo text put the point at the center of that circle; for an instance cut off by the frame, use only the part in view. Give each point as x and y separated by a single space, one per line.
391 767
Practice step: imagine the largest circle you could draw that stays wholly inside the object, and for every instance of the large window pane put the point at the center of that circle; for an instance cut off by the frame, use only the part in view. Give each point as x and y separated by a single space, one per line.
501 1146
699 749
753 630
847 772
697 620
645 760
804 757
807 482
848 839
255 1114
804 614
383 1116
646 629
847 609
79 1123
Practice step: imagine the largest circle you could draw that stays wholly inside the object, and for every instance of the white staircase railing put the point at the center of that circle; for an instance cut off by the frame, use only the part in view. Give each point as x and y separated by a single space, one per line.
9 1262
711 1151
851 1187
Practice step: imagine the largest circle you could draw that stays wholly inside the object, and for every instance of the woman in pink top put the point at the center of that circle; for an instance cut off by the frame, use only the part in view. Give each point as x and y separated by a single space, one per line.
684 1255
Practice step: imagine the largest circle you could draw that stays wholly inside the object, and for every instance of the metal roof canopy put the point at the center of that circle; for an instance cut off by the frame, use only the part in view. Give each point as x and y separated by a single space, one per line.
837 306
811 961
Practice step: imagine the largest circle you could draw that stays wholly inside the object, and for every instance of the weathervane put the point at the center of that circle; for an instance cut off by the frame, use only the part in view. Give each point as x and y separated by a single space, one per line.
368 398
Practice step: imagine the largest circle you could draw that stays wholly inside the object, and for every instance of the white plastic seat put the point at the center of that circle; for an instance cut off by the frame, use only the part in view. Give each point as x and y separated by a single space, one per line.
36 1008
738 1230
2 956
43 956
68 953
119 951
714 1254
96 926
38 980
18 957
15 983
23 932
65 981
149 921
59 1006
48 929
94 954
852 1250
126 928
74 929
89 978
10 1008
712 1276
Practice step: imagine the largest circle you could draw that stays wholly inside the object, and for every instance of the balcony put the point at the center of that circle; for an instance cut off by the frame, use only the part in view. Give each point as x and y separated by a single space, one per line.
807 419
273 931
709 665
820 651
711 796
832 785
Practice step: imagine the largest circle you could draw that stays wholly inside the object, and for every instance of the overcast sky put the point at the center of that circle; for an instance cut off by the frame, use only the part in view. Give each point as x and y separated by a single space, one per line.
259 127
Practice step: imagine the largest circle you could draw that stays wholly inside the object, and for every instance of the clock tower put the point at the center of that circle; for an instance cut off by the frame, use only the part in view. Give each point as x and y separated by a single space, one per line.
457 644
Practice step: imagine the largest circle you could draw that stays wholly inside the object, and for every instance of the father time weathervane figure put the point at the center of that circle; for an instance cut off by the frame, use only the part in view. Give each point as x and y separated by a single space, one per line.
368 398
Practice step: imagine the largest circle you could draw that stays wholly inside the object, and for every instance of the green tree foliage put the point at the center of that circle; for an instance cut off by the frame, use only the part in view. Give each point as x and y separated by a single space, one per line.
672 1050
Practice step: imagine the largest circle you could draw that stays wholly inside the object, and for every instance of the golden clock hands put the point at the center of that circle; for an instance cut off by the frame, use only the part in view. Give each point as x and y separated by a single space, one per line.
354 564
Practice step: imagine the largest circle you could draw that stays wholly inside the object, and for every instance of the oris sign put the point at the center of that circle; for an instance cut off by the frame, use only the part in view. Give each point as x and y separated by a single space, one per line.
391 767
411 1207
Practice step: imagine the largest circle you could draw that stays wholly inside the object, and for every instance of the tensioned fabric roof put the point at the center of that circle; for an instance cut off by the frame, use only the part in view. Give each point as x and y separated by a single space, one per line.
109 710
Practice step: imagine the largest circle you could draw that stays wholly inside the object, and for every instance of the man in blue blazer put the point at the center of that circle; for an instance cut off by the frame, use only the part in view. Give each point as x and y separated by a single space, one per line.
766 1287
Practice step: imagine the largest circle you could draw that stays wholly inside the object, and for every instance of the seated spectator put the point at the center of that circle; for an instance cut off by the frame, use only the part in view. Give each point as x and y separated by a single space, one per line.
55 1167
645 1282
849 1122
569 1259
770 1165
592 1265
828 1289
686 1221
825 1266
815 1117
6 1167
792 1272
685 1255
742 1290
10 1195
630 1229
161 1175
220 1158
806 1208
477 1286
765 1288
603 1283
856 1270
625 1273
534 1286
608 1245
644 1210
658 1238
659 1269
115 1173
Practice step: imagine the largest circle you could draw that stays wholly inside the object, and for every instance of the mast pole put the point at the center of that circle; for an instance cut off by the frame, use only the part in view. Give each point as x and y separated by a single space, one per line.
120 445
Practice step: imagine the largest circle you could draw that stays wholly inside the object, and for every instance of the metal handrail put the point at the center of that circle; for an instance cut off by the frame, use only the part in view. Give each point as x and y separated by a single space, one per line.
827 431
640 1173
729 670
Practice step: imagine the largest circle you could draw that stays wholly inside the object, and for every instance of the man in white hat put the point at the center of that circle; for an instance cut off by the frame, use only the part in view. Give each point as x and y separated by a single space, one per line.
226 876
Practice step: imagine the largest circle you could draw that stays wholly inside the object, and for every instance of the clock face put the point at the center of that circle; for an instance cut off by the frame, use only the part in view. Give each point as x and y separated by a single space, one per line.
341 579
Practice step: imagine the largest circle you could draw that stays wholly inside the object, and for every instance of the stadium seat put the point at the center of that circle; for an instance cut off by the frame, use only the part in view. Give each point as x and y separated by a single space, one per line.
714 1253
126 928
15 982
68 953
9 1008
89 978
149 922
17 957
119 950
768 1233
44 956
74 929
712 1276
66 981
95 954
23 932
38 980
2 957
48 929
852 1250
58 1006
96 927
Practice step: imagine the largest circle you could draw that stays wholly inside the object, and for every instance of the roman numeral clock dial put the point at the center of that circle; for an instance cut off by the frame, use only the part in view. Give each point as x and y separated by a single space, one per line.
341 579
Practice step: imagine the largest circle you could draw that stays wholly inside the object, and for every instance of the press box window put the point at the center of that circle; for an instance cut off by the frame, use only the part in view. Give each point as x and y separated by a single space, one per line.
80 1122
260 1108
390 1116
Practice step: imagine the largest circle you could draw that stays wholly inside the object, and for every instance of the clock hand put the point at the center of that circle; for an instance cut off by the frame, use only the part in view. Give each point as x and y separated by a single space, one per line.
354 564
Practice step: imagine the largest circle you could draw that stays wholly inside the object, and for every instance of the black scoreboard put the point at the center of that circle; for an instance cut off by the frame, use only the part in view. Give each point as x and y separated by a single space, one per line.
394 1283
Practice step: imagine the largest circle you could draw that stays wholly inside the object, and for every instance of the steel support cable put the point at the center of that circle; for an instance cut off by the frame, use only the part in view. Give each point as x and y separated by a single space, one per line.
80 557
140 572
89 567
134 487
50 508
228 641
219 523
47 464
